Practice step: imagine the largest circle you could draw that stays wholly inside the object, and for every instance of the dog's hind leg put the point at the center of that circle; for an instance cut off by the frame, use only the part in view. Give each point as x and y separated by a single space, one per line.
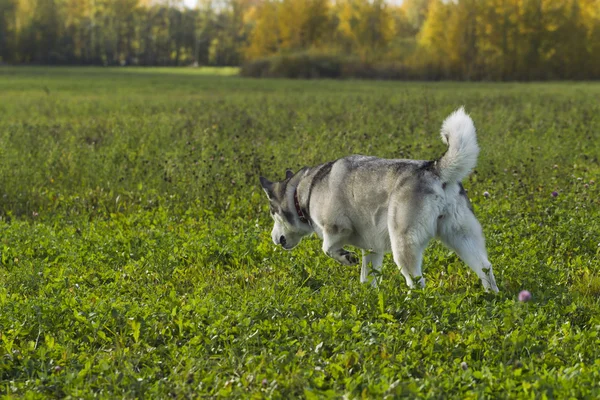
409 234
408 255
466 239
376 260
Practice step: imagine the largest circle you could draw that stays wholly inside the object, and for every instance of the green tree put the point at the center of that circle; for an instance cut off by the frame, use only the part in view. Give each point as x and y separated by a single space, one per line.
8 33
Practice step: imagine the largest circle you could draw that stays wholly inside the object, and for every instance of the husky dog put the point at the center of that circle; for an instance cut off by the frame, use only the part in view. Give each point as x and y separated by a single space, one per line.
382 205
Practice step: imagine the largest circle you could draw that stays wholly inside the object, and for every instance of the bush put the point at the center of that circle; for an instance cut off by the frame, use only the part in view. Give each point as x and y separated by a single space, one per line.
256 69
310 66
295 65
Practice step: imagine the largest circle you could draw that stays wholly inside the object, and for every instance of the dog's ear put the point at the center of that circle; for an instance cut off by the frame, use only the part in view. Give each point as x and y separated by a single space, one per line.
289 173
267 186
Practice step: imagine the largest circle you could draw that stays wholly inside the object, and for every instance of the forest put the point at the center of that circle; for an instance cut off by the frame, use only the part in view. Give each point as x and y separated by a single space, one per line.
457 39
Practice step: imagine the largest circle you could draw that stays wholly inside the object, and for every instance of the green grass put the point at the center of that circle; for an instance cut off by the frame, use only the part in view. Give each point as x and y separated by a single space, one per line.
136 259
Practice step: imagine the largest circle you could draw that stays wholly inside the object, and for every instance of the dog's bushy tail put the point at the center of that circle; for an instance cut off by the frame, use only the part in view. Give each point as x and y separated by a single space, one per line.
458 132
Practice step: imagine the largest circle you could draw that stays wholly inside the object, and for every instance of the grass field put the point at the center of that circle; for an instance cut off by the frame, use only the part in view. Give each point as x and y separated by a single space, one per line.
136 259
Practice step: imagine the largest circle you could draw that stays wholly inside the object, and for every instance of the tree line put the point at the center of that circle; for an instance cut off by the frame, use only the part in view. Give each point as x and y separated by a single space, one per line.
121 32
459 39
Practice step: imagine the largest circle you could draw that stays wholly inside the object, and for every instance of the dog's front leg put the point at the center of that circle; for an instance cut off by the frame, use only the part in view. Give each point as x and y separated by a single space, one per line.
332 246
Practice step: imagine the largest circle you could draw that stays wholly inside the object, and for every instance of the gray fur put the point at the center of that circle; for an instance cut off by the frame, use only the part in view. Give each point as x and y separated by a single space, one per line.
383 205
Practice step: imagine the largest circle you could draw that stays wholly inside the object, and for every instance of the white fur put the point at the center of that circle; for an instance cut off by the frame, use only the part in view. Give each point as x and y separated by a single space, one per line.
458 132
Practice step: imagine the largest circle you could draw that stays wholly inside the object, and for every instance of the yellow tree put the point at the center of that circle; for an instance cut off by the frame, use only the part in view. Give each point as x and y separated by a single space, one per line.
450 37
498 23
287 25
570 45
302 23
415 12
264 39
590 12
433 40
76 13
366 26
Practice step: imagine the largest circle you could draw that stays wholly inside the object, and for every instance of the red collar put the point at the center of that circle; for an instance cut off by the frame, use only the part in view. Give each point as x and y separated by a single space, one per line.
303 219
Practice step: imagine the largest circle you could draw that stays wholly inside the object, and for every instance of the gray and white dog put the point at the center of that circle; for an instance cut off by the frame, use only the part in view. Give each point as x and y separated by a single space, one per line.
382 205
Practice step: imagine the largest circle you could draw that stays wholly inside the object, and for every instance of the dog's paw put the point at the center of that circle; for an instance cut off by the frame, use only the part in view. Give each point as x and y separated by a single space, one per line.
349 259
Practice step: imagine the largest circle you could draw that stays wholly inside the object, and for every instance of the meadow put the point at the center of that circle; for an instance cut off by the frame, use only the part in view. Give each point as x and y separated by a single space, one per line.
136 260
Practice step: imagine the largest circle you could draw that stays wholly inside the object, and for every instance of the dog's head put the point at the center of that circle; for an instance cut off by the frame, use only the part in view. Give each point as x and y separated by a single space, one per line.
288 230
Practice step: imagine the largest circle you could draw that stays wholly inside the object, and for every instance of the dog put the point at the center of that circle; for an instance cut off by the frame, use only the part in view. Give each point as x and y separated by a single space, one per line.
382 205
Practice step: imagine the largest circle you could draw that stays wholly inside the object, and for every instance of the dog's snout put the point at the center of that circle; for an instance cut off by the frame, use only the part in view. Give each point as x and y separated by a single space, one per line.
282 240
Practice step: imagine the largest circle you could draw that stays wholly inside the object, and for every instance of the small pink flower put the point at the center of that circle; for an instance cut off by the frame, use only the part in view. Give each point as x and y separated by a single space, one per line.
586 185
35 214
525 295
486 194
554 194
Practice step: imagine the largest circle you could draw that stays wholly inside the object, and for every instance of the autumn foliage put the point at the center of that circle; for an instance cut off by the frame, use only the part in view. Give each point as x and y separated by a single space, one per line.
419 39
